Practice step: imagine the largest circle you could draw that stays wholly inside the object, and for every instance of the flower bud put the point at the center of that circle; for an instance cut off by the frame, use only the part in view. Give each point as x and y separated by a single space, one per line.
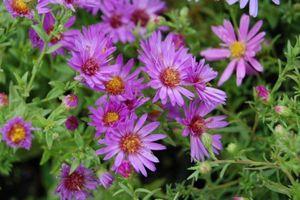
106 180
3 100
263 92
71 123
70 101
207 141
232 148
178 40
124 169
282 110
239 198
204 168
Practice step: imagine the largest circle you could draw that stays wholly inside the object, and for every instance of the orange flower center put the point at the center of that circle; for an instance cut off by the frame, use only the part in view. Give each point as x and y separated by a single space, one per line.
170 77
20 6
130 143
17 133
115 86
237 49
111 117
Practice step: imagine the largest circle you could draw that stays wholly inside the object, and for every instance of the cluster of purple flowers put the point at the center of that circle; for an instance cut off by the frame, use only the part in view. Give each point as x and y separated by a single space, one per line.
181 83
121 17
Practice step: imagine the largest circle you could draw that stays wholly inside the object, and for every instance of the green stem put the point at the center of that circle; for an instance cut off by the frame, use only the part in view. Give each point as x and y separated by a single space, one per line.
225 185
246 162
35 69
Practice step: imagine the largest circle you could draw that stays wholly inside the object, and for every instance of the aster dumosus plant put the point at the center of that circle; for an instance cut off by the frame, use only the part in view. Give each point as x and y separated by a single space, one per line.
121 70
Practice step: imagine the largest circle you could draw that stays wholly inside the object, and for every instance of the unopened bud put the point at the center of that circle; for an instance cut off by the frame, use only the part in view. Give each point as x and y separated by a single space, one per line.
262 92
232 148
3 100
70 101
204 168
282 110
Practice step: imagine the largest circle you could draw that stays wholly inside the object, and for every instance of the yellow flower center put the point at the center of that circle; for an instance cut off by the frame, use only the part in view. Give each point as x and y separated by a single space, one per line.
237 49
17 133
170 77
115 86
20 6
130 143
111 117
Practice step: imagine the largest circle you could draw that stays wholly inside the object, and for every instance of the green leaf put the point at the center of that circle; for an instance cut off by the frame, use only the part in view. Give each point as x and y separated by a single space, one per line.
40 31
277 187
224 170
53 48
45 157
49 139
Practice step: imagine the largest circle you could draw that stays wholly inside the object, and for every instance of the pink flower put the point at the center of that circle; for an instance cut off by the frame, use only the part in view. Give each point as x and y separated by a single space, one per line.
262 92
167 68
240 48
106 180
70 101
77 185
196 126
116 20
144 11
124 169
199 75
17 133
3 100
133 142
253 5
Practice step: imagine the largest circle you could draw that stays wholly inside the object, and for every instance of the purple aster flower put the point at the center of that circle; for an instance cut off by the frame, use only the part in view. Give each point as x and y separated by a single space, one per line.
70 101
71 123
178 40
144 11
241 49
253 5
76 185
92 57
17 133
133 143
262 92
124 169
3 100
23 8
73 4
107 115
173 111
116 20
196 126
133 103
199 75
120 83
167 68
106 180
63 38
